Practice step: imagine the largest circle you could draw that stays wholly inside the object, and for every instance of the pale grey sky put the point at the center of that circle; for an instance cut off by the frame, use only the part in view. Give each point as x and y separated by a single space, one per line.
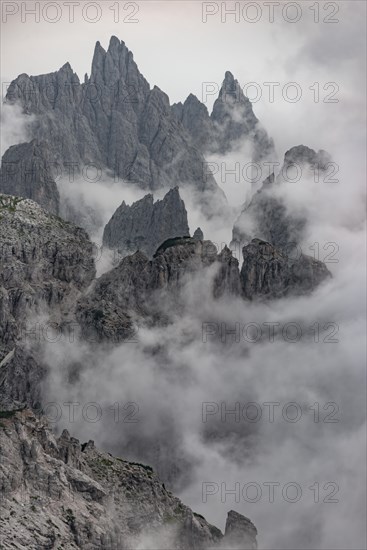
177 51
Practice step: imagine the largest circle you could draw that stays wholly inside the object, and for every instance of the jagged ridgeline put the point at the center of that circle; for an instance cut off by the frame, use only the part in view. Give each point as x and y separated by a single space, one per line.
115 121
76 496
146 224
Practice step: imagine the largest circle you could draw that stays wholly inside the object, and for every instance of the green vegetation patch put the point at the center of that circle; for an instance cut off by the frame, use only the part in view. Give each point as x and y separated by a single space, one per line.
9 203
148 468
10 414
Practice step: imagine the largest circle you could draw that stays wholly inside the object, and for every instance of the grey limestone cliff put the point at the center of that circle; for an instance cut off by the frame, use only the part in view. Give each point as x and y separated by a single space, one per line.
58 493
194 116
26 171
268 273
45 264
146 224
114 121
130 293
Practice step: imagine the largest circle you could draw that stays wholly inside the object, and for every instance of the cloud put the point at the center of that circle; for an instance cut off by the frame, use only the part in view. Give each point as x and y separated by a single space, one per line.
14 126
171 372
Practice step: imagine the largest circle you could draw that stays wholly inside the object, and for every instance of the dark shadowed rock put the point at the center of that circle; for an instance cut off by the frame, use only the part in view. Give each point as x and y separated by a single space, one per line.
268 273
305 157
45 263
194 116
145 225
22 373
198 234
267 218
130 294
227 280
240 533
26 171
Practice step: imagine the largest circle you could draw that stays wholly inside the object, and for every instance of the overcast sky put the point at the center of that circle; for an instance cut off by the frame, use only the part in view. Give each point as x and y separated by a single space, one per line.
179 52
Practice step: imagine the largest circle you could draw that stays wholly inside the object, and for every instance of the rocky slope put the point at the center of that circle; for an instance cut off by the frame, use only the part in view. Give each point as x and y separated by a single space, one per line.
26 171
57 493
146 224
45 262
139 290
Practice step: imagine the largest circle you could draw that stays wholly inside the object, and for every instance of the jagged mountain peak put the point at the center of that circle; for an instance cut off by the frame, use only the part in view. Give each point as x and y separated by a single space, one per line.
115 42
301 154
67 67
115 120
231 91
118 48
192 102
231 123
146 199
192 98
229 84
267 215
115 63
174 192
146 224
228 76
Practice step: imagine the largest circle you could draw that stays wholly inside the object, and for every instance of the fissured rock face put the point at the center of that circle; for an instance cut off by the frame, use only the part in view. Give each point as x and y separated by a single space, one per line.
146 224
138 290
129 293
268 273
45 264
240 532
76 496
114 120
26 171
